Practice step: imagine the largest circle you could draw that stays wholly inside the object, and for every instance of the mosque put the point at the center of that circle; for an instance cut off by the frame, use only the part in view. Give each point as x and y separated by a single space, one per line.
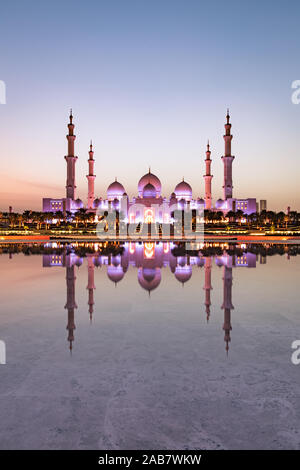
149 205
150 260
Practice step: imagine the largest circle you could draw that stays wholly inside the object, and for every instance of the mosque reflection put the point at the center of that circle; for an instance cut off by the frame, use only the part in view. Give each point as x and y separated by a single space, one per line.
150 259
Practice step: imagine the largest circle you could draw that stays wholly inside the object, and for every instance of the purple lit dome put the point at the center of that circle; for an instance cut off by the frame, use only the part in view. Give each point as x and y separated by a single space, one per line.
96 203
173 199
79 203
116 203
152 179
181 203
149 278
183 189
115 190
183 273
116 261
219 204
149 191
219 262
78 262
97 261
115 273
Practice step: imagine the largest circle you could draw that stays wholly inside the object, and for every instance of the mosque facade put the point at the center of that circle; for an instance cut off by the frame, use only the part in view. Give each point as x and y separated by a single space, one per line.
149 205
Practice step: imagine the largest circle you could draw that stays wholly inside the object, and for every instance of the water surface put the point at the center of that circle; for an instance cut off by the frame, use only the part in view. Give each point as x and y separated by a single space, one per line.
148 350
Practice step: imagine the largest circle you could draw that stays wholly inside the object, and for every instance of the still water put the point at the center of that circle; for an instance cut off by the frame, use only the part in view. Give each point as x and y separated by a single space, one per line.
149 348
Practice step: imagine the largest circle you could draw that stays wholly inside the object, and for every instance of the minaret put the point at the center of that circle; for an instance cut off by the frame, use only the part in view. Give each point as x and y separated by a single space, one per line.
71 303
91 179
91 284
227 160
71 160
207 286
207 178
227 304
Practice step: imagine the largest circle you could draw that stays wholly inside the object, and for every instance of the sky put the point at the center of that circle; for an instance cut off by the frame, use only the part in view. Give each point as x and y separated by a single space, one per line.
149 82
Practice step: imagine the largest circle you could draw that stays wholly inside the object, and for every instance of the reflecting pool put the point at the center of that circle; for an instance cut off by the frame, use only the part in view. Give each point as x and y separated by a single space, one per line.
149 346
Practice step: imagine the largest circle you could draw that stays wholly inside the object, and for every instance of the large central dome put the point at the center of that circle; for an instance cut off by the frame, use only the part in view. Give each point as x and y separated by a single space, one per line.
149 278
153 180
149 191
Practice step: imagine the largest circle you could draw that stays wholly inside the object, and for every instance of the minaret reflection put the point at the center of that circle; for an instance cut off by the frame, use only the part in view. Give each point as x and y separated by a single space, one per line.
91 283
71 303
69 261
207 286
227 302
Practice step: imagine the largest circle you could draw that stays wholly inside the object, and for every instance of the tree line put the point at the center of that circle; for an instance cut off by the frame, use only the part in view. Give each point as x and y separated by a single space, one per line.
84 218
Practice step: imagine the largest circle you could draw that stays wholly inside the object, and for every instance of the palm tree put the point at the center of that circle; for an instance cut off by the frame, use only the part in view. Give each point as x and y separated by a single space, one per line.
263 217
231 216
252 218
27 216
280 218
77 218
86 218
239 216
5 218
50 217
13 219
42 219
20 220
293 217
218 216
270 216
38 218
206 215
47 218
80 217
69 215
59 216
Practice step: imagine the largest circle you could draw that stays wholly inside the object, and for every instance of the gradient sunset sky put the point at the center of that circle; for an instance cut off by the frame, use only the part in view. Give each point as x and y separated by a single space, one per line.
149 82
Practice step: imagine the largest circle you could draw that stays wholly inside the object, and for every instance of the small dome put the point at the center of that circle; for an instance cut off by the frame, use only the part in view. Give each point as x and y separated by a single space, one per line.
116 261
181 203
96 203
149 191
183 189
79 203
219 262
173 200
219 203
152 179
78 262
183 273
115 190
116 203
97 261
115 273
